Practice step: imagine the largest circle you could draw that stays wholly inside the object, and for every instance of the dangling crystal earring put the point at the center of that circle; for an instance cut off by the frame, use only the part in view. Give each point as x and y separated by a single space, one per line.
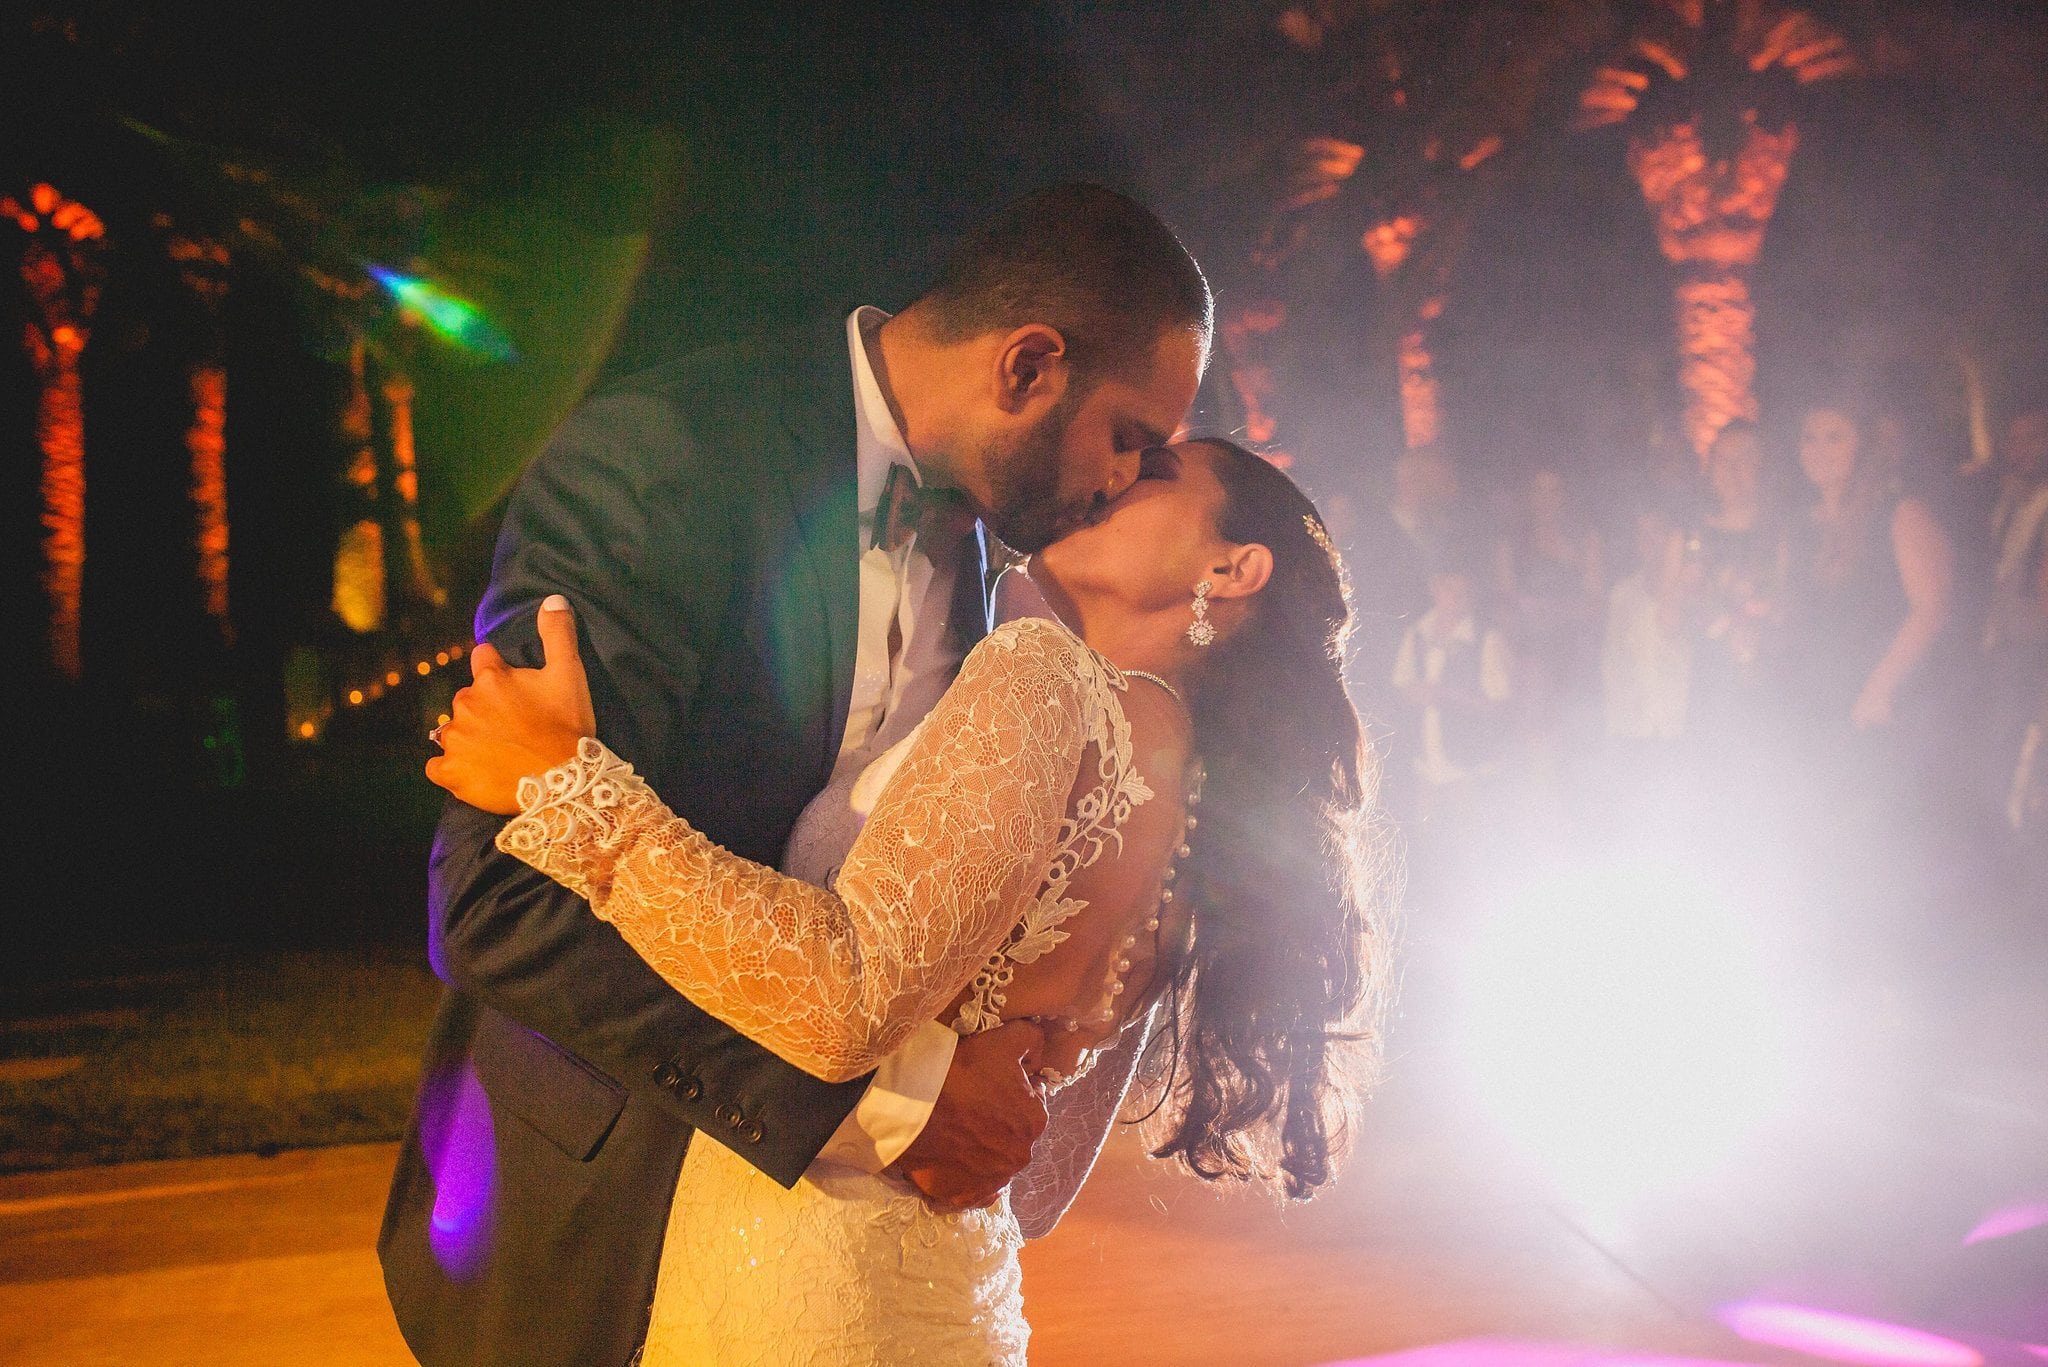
1199 631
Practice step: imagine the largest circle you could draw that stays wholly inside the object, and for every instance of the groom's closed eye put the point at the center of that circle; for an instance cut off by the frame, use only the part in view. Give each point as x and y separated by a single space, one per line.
1158 462
1140 436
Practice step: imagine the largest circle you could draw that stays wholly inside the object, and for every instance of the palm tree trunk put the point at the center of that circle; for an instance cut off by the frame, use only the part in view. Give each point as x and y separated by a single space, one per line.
1711 214
398 393
360 599
60 436
1716 353
206 443
1421 401
59 267
1246 344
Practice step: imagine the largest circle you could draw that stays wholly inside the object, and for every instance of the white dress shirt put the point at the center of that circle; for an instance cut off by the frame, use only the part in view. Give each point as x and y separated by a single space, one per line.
1425 652
1645 665
906 594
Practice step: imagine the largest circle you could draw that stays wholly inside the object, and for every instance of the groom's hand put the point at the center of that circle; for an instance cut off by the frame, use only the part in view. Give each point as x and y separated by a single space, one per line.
983 1124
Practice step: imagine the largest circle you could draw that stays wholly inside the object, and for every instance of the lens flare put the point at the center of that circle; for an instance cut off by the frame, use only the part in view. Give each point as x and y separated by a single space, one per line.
455 321
2015 1219
1845 1338
1625 1024
1509 1353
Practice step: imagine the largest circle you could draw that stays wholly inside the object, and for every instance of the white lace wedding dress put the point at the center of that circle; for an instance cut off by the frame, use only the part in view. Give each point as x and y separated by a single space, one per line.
956 891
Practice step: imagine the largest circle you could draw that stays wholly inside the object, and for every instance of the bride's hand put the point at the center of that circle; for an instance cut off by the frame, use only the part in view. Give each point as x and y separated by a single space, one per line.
511 723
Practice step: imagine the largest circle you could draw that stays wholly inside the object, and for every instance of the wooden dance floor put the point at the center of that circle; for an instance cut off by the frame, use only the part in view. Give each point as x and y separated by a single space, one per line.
1428 1240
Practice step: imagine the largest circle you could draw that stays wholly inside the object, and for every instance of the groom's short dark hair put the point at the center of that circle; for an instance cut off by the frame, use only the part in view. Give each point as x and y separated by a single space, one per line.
1095 264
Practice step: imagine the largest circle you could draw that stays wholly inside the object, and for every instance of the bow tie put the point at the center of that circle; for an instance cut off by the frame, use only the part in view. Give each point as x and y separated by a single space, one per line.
909 510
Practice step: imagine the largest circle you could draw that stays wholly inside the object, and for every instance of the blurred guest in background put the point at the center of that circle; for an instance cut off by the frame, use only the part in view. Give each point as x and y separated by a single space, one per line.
1391 549
1548 573
1869 578
1455 674
1646 658
2015 636
1740 555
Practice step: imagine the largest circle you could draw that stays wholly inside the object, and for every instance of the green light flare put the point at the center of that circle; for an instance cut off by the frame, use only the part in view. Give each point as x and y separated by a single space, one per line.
453 320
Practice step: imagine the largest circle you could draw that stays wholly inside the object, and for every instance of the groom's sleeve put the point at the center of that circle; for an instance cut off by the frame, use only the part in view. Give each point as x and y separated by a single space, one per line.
580 524
898 1103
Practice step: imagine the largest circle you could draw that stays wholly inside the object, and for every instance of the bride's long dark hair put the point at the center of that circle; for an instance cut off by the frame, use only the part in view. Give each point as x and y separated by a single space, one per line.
1274 1012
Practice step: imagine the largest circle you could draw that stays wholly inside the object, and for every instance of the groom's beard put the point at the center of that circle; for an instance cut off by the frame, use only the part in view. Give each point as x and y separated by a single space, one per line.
1029 513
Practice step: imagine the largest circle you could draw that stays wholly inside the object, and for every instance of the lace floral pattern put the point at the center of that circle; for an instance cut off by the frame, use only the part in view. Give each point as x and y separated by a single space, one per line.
1020 778
1078 1120
973 831
1098 814
843 1270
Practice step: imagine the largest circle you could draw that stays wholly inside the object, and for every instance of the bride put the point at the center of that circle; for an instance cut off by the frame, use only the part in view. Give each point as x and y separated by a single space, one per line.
1143 821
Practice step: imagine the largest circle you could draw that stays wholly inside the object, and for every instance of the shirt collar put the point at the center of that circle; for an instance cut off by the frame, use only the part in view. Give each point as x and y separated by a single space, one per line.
879 443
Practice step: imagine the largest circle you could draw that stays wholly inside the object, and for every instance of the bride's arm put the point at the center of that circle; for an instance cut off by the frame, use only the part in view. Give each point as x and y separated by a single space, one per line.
957 843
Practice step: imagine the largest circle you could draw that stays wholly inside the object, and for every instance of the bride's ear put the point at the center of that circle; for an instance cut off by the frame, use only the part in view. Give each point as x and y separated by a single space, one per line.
1241 572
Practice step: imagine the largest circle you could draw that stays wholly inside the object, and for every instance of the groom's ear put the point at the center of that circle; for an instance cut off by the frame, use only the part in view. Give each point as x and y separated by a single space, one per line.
1031 367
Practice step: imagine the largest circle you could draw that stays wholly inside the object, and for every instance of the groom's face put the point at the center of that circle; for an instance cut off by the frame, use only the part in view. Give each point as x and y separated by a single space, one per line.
1062 470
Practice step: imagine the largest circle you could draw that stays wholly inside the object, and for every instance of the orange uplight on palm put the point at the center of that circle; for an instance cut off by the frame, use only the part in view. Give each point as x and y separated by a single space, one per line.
60 264
1712 206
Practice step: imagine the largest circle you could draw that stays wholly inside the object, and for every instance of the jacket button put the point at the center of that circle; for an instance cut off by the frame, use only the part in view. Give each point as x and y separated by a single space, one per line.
691 1089
667 1074
751 1131
729 1113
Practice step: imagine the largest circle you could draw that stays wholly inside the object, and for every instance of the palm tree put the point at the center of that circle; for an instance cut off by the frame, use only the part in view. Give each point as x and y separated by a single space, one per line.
1458 85
62 267
1708 91
1403 108
319 230
203 264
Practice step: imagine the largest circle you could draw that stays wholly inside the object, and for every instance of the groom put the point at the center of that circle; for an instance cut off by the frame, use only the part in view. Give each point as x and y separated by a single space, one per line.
758 621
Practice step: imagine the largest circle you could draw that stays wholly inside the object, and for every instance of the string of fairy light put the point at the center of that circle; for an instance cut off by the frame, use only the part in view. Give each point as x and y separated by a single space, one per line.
363 692
460 324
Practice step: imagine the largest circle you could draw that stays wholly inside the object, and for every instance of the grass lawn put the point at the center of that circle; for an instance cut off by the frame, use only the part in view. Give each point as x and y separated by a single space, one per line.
194 1051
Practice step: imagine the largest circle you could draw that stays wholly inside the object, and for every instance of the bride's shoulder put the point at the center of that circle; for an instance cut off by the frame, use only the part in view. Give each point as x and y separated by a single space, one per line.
1036 637
1033 658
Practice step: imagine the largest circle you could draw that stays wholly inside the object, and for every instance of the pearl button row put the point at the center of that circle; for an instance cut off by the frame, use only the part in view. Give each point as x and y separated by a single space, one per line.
1113 984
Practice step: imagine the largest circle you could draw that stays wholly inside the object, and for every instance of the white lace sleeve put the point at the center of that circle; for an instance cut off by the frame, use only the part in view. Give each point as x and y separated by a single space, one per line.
948 862
1077 1123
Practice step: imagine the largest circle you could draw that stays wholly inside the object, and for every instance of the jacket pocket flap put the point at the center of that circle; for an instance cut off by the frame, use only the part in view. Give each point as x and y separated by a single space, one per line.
570 1103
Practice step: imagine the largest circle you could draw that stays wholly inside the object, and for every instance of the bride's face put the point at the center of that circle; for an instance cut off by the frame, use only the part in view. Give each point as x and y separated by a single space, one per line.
1150 545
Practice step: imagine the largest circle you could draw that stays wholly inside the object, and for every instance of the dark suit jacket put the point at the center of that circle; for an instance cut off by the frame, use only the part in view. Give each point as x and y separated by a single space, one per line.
701 519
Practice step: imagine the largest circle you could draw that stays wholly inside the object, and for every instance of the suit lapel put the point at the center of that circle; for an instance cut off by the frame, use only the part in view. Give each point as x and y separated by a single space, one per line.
813 382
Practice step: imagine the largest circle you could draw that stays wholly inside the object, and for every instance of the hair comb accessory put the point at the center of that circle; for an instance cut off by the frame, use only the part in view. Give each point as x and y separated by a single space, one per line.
1321 536
1318 535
